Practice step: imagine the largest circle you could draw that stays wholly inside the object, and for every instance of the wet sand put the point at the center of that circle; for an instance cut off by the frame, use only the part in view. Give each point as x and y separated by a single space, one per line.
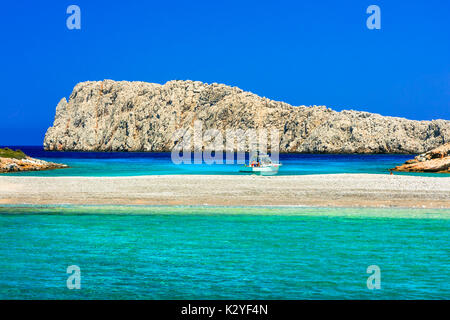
332 190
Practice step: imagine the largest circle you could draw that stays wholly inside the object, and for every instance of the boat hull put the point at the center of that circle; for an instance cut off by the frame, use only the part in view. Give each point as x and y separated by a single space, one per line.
269 170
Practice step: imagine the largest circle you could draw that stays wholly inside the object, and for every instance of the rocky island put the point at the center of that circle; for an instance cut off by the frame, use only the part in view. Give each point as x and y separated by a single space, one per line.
15 161
436 160
138 116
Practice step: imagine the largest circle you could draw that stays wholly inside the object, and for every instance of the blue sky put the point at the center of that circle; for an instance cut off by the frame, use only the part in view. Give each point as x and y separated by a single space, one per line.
301 52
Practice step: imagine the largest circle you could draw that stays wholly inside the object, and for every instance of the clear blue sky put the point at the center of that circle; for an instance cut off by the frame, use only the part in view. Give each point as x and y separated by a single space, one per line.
301 52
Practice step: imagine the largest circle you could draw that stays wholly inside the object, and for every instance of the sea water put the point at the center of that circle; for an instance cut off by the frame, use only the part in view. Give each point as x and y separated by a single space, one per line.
145 163
134 252
160 252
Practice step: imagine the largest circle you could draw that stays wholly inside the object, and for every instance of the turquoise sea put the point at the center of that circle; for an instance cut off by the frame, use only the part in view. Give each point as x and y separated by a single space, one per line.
160 252
144 163
133 252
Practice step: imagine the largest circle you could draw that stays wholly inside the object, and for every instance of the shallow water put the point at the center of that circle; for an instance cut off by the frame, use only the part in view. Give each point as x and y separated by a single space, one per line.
132 252
142 163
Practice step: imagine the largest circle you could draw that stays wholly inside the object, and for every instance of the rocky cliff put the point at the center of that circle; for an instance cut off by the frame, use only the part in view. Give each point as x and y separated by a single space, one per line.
137 116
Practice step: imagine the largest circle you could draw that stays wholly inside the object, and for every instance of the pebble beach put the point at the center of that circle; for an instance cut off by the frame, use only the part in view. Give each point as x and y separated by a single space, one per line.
330 190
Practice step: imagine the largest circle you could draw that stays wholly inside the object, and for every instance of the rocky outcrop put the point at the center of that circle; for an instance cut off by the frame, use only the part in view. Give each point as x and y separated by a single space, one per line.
138 116
436 160
27 164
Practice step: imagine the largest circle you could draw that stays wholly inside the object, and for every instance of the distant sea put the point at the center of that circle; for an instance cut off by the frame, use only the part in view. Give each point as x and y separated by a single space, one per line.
146 163
127 252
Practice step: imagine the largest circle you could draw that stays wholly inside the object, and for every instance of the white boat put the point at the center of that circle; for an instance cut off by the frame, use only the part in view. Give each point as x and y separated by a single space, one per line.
262 164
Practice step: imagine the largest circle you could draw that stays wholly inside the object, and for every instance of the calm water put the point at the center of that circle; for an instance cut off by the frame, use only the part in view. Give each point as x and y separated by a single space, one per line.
223 253
139 163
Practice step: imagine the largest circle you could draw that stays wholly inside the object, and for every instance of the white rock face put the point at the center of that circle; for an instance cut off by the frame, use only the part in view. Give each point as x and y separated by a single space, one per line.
137 116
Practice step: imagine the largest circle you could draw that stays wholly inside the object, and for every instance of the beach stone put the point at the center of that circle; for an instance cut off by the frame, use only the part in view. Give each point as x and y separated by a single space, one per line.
436 160
27 164
138 116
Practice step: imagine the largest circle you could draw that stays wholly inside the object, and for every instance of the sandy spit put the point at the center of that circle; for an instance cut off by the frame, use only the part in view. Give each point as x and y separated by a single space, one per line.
334 190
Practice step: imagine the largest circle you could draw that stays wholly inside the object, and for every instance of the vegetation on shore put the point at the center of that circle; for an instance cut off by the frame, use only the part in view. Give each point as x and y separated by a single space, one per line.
9 153
16 161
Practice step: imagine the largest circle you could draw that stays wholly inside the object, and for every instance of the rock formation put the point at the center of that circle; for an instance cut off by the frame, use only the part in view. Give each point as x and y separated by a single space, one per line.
27 164
436 160
138 116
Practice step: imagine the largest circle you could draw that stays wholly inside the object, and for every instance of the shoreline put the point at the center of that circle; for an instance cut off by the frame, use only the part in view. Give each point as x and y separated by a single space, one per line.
328 190
268 211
